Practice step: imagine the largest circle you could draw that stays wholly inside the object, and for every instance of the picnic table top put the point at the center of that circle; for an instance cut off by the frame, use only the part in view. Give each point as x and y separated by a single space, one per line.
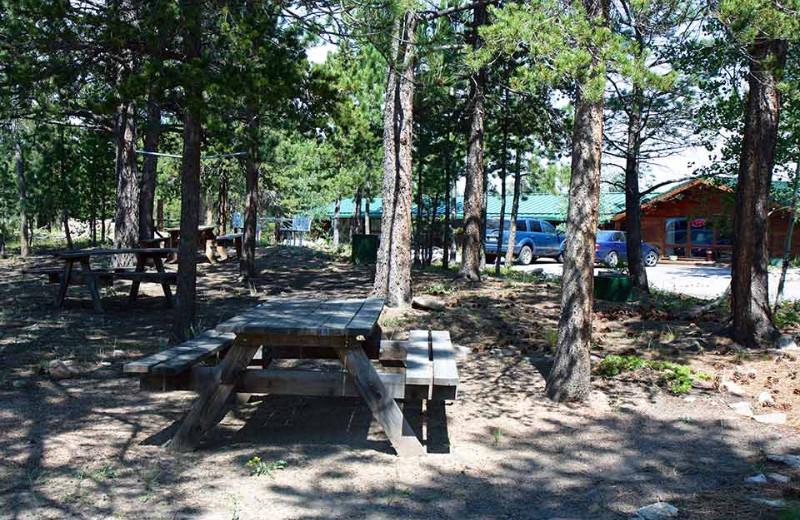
335 317
148 251
199 228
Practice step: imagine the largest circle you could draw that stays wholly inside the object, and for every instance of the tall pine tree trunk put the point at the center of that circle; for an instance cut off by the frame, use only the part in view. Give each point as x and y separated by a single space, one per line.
418 231
569 378
126 222
503 174
447 192
787 244
247 265
512 230
633 208
355 229
750 309
186 304
337 210
472 255
366 209
393 269
19 166
147 195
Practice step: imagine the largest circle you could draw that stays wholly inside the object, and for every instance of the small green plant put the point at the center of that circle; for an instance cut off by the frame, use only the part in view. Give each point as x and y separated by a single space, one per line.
439 289
497 436
677 378
788 314
792 513
259 467
551 335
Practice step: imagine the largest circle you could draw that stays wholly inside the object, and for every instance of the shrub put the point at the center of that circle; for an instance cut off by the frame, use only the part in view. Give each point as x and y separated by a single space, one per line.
677 378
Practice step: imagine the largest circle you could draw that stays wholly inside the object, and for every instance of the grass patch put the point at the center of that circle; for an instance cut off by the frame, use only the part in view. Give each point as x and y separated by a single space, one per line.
677 378
439 289
788 314
259 467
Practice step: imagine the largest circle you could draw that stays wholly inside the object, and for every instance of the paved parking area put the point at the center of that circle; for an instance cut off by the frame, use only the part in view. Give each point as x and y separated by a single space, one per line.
699 280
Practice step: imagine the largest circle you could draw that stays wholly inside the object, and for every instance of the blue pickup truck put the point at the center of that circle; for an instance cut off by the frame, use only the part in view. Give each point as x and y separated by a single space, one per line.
534 239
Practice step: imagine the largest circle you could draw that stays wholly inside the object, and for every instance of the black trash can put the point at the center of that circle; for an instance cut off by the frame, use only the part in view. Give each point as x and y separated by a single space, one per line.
365 249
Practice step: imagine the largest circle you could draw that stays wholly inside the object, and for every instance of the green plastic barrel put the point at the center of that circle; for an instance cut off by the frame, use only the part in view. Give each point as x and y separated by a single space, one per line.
613 288
365 249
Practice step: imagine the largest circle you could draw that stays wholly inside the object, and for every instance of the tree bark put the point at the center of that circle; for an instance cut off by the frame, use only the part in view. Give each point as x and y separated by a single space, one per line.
247 264
337 210
22 193
126 222
569 378
633 208
750 309
147 194
393 269
185 310
472 254
787 245
512 230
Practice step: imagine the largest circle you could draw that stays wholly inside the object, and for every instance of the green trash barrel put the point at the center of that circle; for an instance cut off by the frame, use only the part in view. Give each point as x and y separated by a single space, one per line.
365 249
613 288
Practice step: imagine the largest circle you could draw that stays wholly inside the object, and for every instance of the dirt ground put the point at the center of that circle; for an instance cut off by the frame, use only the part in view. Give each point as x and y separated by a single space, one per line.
89 446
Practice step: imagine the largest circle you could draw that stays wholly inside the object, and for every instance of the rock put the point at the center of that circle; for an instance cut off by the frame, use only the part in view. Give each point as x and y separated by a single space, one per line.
777 477
786 342
428 303
771 418
742 408
690 398
765 399
733 388
538 271
462 352
503 352
657 511
695 346
774 503
60 370
756 479
793 461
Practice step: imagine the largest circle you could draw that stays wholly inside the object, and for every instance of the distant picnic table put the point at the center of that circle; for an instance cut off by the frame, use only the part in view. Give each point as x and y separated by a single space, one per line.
206 239
340 328
93 278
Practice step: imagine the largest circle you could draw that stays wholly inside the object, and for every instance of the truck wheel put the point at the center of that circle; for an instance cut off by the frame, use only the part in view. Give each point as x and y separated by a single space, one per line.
526 255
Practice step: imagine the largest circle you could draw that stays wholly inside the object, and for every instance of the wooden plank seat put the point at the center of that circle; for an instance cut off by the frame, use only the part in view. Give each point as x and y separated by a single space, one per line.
54 275
178 359
166 277
427 369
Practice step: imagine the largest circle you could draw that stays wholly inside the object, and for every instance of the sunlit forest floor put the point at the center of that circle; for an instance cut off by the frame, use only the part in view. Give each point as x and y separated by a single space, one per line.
89 446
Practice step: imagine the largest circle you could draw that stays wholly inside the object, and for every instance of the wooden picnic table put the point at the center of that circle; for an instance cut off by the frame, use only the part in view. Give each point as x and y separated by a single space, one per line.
342 326
206 240
91 277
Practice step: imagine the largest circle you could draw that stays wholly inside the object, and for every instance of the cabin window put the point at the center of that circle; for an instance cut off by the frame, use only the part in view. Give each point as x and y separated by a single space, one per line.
676 236
693 237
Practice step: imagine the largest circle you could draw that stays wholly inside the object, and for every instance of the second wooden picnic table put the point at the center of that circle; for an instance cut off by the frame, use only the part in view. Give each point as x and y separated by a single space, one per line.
91 276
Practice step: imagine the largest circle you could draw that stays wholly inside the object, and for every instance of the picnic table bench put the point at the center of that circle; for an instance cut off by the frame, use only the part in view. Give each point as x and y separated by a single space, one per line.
93 278
205 240
344 329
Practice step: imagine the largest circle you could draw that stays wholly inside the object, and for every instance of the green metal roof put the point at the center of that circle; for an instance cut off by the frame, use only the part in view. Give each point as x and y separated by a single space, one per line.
544 206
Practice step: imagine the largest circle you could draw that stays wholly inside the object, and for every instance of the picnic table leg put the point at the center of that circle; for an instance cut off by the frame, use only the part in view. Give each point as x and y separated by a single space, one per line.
62 288
222 251
164 284
91 283
141 264
210 251
238 243
208 409
383 406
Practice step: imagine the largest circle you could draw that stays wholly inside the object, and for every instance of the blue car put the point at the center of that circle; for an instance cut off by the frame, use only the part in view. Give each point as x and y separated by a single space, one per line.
534 238
612 248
